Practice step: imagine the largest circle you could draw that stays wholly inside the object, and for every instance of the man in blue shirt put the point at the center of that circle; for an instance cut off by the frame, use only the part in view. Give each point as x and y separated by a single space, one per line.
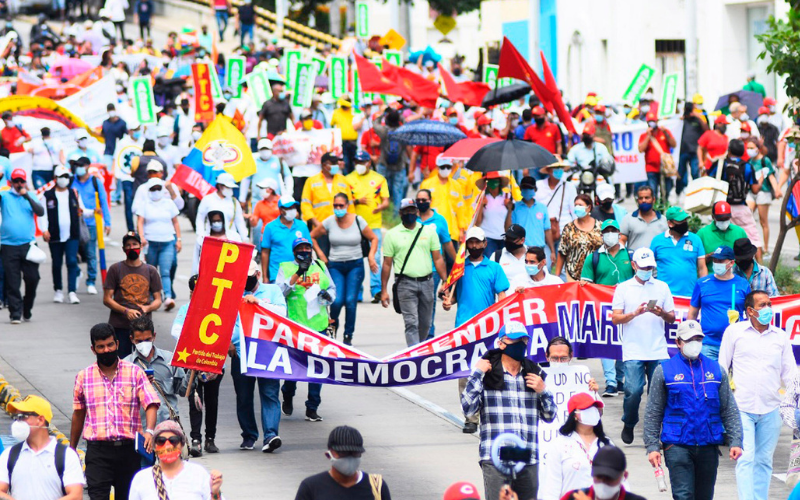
114 128
533 216
680 255
17 231
83 149
91 188
485 280
720 297
276 241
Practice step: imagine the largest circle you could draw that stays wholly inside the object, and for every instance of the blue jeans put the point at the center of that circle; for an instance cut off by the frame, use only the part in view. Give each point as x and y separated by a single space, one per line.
691 159
397 182
612 371
635 373
754 469
58 250
436 281
127 193
692 471
245 29
222 23
375 278
349 150
258 233
654 181
161 254
348 277
712 351
91 255
41 177
314 397
245 402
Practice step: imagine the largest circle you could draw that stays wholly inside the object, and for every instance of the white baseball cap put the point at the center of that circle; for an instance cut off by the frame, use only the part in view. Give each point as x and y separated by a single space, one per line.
605 191
81 134
688 329
61 170
477 233
155 166
264 144
268 182
643 257
226 180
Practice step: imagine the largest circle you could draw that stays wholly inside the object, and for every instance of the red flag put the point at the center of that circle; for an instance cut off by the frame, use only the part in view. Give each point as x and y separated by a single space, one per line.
192 181
555 96
470 93
414 87
513 65
372 80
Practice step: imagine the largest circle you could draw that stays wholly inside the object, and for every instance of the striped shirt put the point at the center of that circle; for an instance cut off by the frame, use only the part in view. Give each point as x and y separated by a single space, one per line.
112 406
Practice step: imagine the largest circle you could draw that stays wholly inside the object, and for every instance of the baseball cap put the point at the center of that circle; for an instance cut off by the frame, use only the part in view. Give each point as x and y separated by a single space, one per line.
155 181
599 109
362 156
743 248
582 401
346 439
723 252
377 101
156 166
677 214
131 235
19 173
769 101
484 120
745 126
722 208
688 329
287 201
329 157
344 101
609 223
763 110
81 134
721 120
605 191
226 180
253 268
268 182
407 203
609 461
697 99
475 232
32 404
461 491
442 161
537 111
650 117
528 182
451 112
589 129
264 144
643 257
300 241
61 170
514 232
512 330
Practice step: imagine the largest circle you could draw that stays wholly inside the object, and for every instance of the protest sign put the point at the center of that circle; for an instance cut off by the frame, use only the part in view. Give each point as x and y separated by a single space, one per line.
207 331
639 84
203 102
338 76
141 90
192 181
319 65
394 57
305 73
216 88
393 40
292 57
362 19
307 147
358 96
625 142
259 87
669 95
234 74
490 75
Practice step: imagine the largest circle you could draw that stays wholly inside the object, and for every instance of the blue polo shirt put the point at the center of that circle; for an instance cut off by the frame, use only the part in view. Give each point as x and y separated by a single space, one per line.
442 230
677 262
534 219
484 281
87 191
279 238
713 297
17 227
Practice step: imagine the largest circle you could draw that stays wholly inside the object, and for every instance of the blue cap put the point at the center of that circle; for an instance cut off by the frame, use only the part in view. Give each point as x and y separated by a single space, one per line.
300 241
513 330
723 253
362 156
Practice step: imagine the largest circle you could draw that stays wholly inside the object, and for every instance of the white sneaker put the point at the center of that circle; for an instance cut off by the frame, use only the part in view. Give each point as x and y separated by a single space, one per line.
91 290
58 297
73 298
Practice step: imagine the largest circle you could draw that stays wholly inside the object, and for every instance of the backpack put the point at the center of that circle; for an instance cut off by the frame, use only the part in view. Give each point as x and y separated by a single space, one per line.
737 185
393 152
60 459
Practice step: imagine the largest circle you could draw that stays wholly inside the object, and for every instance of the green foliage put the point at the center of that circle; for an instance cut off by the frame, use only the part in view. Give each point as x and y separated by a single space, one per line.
787 280
782 49
454 6
390 217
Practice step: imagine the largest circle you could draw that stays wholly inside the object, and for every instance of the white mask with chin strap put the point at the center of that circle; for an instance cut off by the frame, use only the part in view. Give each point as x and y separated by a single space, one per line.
603 491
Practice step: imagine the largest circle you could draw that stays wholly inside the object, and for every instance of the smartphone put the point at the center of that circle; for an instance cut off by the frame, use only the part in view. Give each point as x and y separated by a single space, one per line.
651 304
149 373
514 454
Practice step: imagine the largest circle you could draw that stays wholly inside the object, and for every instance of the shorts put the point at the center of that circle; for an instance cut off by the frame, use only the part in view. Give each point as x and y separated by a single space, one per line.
743 217
764 198
750 198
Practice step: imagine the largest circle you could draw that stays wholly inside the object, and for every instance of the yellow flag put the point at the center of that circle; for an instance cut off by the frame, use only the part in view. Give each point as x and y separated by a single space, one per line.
223 146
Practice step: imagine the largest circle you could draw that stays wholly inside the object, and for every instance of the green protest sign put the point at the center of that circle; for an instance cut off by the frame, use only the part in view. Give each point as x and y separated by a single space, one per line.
259 86
358 97
234 74
141 90
305 73
319 64
490 75
394 57
669 95
338 76
362 19
216 89
291 59
638 84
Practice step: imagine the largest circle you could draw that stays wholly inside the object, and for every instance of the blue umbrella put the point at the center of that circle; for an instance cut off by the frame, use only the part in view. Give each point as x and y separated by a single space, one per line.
427 133
427 55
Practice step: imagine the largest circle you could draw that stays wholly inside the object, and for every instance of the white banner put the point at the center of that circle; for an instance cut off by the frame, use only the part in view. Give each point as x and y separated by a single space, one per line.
307 147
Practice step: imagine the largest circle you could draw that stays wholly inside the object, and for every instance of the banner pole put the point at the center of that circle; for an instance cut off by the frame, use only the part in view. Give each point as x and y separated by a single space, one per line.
192 373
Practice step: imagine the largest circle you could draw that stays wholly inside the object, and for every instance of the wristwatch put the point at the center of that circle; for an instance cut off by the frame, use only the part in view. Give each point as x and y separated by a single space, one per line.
150 431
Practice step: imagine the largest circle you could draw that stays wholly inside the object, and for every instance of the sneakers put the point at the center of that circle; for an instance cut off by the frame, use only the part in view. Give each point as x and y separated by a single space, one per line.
287 407
169 305
610 392
272 445
627 435
376 299
247 444
347 340
16 321
212 448
58 297
73 298
470 428
312 416
196 450
91 290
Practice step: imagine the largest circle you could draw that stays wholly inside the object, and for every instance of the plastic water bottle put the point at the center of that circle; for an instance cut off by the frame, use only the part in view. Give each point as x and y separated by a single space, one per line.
662 482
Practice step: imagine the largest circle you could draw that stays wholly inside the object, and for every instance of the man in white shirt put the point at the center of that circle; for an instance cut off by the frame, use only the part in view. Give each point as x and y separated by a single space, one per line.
760 357
46 152
222 199
641 306
512 256
42 468
536 273
558 196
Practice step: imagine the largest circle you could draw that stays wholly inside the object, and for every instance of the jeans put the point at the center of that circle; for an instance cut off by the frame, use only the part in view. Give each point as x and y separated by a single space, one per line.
416 304
754 469
654 181
492 246
108 465
432 329
58 250
375 278
349 149
2 282
314 394
635 373
712 351
348 277
691 159
222 22
41 177
397 181
245 29
16 270
161 254
208 392
127 195
526 486
91 256
612 371
270 403
692 471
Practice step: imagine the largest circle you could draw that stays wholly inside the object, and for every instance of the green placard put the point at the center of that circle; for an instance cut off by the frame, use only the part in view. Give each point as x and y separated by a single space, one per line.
260 89
216 89
393 56
358 97
292 58
669 95
234 74
305 73
638 84
319 64
338 76
362 19
141 90
490 75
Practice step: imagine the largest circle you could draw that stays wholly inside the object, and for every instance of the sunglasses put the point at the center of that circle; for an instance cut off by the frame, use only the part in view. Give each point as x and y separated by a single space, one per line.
339 205
173 440
18 417
18 181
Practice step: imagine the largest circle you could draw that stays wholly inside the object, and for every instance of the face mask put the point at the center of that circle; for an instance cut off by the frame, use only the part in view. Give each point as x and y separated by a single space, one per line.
762 119
334 169
493 184
539 121
361 168
772 109
532 269
599 118
752 153
512 247
516 350
107 358
558 173
20 430
580 211
744 264
645 207
722 225
607 204
408 219
138 135
652 124
281 95
692 349
528 194
156 195
80 171
133 253
196 135
302 257
745 135
112 114
82 143
291 214
120 89
144 348
170 456
720 269
603 491
226 192
444 172
347 466
514 123
453 120
474 253
744 117
216 226
590 416
423 206
681 228
62 182
252 283
644 109
644 275
765 315
339 212
610 239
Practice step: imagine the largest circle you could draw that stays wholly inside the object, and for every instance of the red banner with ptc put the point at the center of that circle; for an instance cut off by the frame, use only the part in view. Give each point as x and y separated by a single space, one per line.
208 328
203 102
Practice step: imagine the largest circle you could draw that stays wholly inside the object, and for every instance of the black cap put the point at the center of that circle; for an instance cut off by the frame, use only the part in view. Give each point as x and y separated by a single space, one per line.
83 160
344 438
130 235
528 182
744 249
329 157
514 232
609 461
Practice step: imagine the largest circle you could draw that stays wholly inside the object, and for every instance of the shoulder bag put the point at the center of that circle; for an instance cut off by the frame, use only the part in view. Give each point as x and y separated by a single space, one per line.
397 277
365 245
668 167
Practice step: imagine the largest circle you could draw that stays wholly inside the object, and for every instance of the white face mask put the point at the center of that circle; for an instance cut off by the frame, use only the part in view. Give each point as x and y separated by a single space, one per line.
610 239
444 172
603 491
82 143
752 153
692 349
226 192
745 135
163 142
196 135
216 226
156 195
62 182
722 225
112 114
265 154
20 430
590 416
361 168
265 193
291 214
144 348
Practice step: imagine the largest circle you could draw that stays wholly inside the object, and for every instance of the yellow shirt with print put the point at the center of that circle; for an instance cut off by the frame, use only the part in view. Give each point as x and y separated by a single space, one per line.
343 120
317 200
371 186
447 198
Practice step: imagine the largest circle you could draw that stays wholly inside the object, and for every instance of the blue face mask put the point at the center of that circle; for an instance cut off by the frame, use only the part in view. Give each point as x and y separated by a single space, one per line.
645 207
532 269
599 118
281 95
516 350
453 120
334 169
137 136
720 268
580 211
339 212
558 173
644 275
528 193
80 171
765 315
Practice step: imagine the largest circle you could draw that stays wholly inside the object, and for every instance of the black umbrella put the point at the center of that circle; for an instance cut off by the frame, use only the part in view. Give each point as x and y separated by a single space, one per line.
510 155
506 94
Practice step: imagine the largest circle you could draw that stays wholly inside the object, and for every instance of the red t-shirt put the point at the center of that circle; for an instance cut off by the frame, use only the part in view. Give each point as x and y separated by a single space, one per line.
9 137
652 157
715 144
368 137
547 136
427 157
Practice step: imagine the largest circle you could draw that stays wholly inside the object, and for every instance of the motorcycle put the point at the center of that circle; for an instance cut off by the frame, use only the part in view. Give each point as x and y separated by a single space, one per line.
586 178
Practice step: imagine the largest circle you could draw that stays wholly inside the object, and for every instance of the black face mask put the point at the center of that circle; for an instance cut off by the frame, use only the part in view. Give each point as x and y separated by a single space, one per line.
587 140
251 284
457 72
423 206
681 228
606 204
744 264
133 253
539 121
474 253
301 257
108 358
512 247
409 218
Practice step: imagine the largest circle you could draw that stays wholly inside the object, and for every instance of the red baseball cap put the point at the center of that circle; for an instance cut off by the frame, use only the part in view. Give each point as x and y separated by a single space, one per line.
484 120
722 208
451 112
763 110
650 117
19 173
589 128
537 111
745 126
721 120
462 491
769 101
599 109
582 401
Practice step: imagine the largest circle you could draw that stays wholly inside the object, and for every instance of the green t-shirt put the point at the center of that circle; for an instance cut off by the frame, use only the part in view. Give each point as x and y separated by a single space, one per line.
754 86
763 164
713 238
611 270
397 242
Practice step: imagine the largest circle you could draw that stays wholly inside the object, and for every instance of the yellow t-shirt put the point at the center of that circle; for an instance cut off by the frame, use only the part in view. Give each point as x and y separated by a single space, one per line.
371 186
343 120
448 201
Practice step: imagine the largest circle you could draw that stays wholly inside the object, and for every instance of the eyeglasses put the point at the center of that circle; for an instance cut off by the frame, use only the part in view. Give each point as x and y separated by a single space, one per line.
563 359
18 417
339 205
173 440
